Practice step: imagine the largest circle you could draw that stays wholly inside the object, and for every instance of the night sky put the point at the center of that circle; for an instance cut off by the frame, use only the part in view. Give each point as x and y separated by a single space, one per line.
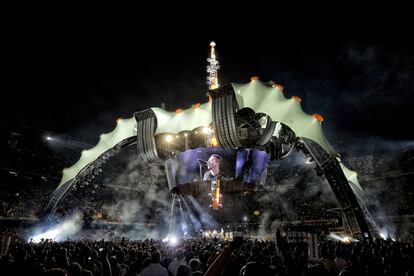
78 81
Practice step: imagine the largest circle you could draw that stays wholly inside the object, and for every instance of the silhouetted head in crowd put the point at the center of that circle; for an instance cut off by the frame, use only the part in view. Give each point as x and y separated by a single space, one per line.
251 268
195 265
344 272
55 272
179 254
188 256
156 256
75 269
183 270
86 273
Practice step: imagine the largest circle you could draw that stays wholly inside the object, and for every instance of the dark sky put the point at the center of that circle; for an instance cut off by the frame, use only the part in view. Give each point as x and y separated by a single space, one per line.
78 80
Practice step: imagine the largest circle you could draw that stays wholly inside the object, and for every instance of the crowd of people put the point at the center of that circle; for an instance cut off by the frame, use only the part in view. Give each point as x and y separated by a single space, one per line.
203 256
30 172
104 204
17 198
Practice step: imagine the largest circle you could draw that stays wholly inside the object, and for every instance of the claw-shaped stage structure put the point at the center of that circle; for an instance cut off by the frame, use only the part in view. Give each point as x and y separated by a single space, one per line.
251 115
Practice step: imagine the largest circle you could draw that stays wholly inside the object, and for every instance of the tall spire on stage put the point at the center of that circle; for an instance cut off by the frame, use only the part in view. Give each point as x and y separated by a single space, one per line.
212 67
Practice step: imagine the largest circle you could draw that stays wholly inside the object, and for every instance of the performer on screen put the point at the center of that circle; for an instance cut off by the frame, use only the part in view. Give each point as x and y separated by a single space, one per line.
214 172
